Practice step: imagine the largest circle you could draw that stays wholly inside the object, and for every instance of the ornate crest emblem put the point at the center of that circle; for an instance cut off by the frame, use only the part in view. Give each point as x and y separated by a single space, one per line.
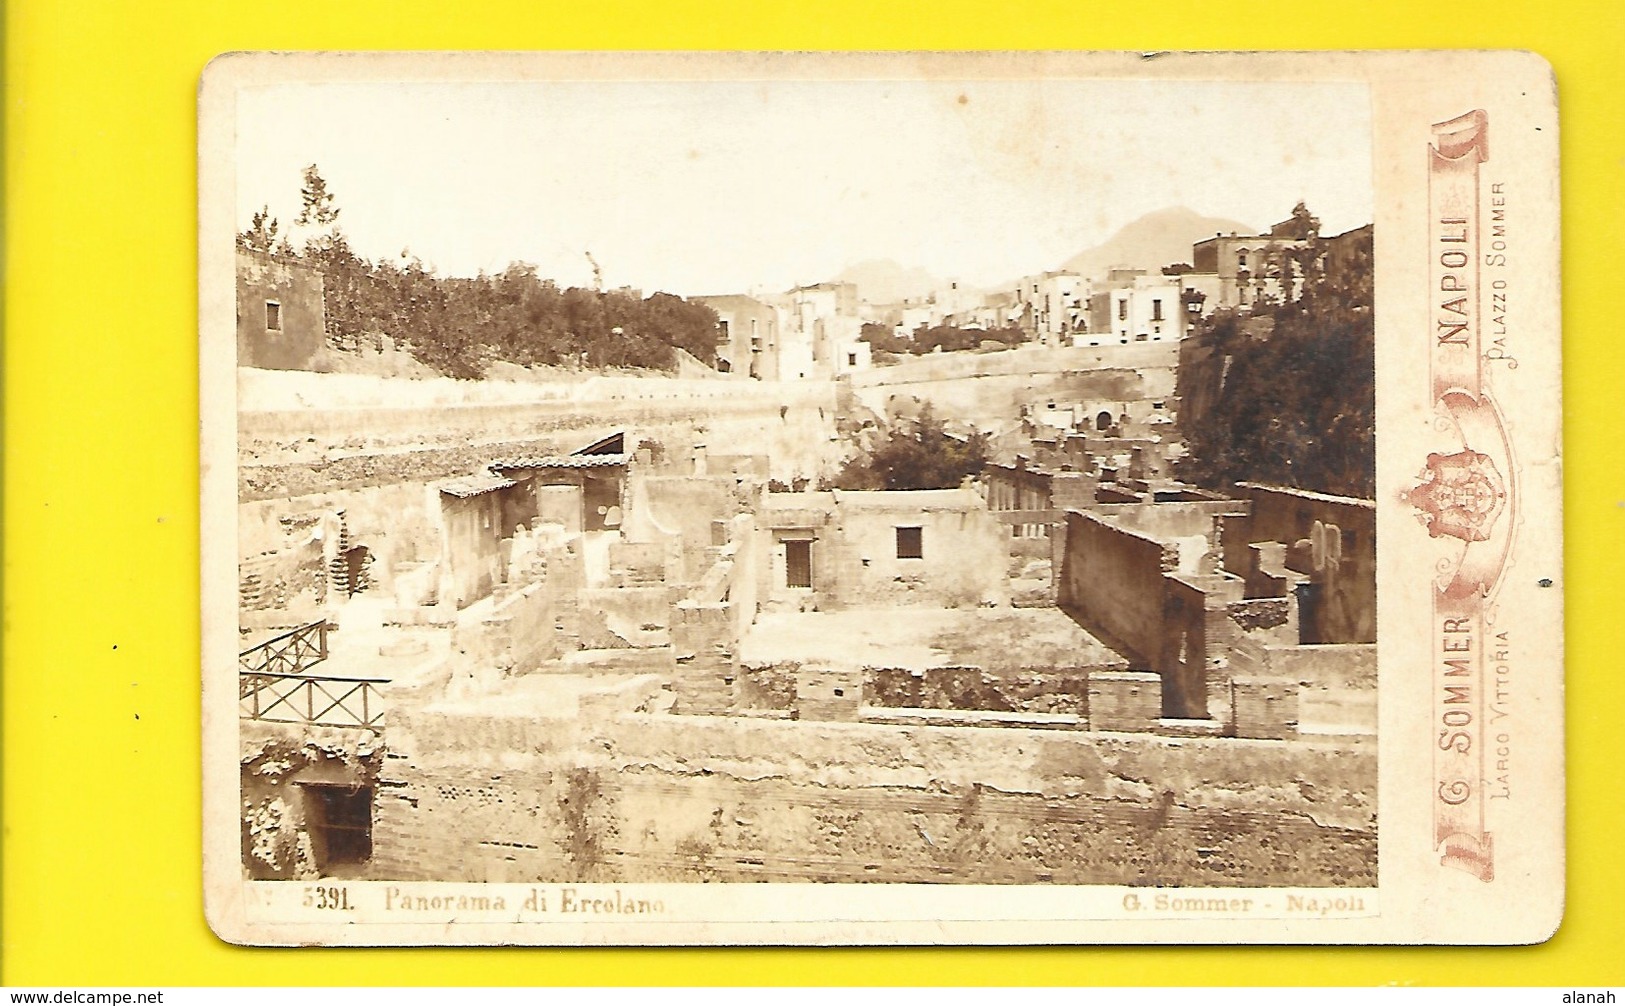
1460 495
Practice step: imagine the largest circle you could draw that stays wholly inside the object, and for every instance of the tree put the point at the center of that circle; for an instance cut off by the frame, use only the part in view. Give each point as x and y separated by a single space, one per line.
459 325
261 233
1302 225
881 338
317 208
347 279
1288 392
916 454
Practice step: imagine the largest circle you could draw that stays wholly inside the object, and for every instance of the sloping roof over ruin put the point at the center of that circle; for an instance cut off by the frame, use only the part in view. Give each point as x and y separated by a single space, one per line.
476 485
615 443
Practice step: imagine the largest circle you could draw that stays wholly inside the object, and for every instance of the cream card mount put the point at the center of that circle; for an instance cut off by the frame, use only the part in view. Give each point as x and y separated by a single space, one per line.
782 498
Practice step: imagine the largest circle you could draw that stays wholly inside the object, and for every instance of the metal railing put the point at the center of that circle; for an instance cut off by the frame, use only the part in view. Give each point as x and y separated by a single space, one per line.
272 684
311 699
289 653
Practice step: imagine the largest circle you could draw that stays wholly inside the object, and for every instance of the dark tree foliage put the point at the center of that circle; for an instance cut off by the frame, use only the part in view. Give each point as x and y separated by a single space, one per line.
915 454
930 338
1301 224
949 338
460 325
261 234
1296 404
882 339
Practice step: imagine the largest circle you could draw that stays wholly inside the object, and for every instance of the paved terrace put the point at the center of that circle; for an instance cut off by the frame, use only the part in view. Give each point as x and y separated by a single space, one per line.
994 639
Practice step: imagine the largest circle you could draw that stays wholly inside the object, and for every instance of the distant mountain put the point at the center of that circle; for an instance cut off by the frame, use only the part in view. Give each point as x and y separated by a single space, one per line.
1157 239
882 281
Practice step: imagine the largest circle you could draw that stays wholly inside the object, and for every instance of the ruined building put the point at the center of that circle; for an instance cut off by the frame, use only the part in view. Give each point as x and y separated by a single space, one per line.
608 665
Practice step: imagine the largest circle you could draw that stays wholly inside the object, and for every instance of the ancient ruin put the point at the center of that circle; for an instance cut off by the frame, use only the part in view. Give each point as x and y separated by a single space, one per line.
630 627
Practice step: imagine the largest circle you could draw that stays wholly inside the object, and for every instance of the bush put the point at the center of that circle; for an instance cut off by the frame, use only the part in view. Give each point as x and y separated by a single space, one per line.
915 454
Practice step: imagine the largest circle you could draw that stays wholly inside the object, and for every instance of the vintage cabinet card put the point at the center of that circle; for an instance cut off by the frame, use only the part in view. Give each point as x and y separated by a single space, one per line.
881 498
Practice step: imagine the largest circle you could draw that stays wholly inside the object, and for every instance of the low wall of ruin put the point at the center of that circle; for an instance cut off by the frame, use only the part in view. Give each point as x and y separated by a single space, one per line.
664 798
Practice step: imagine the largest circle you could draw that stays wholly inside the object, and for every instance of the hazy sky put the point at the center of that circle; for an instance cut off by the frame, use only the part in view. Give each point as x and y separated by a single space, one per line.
718 187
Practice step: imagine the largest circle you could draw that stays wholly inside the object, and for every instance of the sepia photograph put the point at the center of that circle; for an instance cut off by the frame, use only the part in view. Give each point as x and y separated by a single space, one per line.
888 482
935 482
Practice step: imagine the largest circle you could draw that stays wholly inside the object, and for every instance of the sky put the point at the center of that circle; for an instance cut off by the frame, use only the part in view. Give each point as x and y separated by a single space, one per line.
733 186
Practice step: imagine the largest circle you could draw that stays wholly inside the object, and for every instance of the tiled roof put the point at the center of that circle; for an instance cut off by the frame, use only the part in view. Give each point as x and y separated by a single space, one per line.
562 461
475 485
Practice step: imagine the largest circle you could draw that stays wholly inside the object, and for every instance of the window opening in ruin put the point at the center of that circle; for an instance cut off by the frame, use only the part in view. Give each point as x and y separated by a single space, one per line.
851 359
1156 309
1103 421
910 543
798 563
273 316
339 822
1122 310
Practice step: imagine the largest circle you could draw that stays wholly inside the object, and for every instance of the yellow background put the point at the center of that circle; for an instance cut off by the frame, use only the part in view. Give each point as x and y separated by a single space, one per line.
101 822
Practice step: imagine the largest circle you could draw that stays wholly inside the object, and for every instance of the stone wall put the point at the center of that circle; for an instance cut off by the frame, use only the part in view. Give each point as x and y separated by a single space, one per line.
688 506
1167 520
1125 701
280 762
658 798
1033 690
510 633
1263 708
963 551
1151 599
989 387
854 550
472 547
305 433
626 617
1112 580
1335 684
1023 362
1341 566
299 332
743 585
826 693
284 547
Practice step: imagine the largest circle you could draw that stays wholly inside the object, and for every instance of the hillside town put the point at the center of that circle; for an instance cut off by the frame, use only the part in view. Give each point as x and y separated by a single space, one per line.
1071 579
